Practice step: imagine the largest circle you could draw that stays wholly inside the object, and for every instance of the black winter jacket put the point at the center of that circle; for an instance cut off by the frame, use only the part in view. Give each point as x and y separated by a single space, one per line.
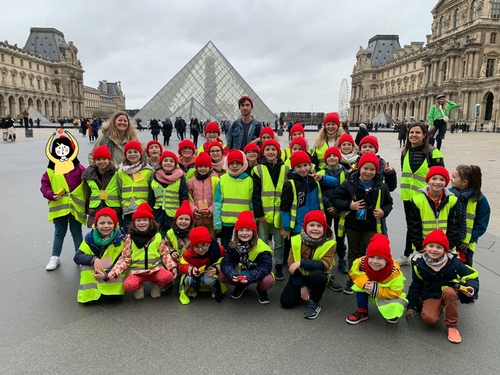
417 157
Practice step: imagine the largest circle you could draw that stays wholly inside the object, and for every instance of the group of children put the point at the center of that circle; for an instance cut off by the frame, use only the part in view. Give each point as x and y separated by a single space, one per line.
158 214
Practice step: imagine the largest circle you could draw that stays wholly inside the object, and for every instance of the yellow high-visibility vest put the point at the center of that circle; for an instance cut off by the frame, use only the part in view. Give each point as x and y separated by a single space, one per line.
318 254
429 220
153 255
411 183
236 196
167 198
72 202
112 199
136 191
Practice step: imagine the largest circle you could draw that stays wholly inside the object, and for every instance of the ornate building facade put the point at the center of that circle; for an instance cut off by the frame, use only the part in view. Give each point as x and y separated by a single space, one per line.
461 58
104 100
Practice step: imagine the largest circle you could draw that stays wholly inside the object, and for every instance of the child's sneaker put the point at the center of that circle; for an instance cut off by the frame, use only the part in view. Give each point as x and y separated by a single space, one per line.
357 317
155 290
238 291
278 272
191 292
165 287
139 293
53 263
312 310
217 292
333 284
454 335
393 320
263 297
343 267
404 260
348 287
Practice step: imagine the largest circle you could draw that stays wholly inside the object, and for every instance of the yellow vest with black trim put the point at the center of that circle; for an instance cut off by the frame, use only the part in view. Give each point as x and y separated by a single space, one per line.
470 215
166 198
343 215
90 288
134 191
293 210
411 183
153 255
70 203
236 196
319 253
112 199
429 220
173 240
191 172
271 195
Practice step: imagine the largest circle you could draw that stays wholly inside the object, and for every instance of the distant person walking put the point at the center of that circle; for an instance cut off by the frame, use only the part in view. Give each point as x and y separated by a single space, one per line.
403 129
437 117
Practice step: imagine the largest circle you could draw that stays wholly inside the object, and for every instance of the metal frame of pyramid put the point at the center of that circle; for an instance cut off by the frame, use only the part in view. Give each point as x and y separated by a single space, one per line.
34 114
213 84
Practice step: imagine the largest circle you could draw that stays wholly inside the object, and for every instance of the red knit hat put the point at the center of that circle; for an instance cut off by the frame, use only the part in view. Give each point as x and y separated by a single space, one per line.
169 154
102 152
315 215
299 157
272 142
184 209
298 128
438 170
106 211
153 142
203 160
371 140
212 127
245 97
345 138
132 145
369 158
333 150
214 144
251 146
144 211
332 117
246 220
299 141
439 237
379 245
266 130
186 143
235 155
199 235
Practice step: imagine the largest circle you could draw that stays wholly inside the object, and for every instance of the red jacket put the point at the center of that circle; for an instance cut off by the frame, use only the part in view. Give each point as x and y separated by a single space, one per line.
190 259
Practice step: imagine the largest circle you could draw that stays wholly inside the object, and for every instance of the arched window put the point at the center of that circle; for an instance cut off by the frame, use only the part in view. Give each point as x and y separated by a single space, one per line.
456 18
473 10
445 68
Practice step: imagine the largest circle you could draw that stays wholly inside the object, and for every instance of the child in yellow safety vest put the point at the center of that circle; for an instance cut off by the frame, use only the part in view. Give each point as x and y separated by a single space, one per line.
177 238
377 278
153 151
309 262
134 177
145 255
167 191
100 185
349 151
97 254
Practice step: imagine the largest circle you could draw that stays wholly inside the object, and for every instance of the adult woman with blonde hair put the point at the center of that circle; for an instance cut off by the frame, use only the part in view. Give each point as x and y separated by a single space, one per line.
114 134
327 137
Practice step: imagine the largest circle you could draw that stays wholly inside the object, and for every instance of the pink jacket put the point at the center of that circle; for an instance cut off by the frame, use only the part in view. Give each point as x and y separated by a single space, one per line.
199 190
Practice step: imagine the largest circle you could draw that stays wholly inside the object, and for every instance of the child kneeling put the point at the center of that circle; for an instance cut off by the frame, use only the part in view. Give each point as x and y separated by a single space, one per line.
377 278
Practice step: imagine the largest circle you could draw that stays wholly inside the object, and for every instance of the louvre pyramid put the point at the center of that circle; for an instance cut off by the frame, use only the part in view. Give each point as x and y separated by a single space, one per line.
207 87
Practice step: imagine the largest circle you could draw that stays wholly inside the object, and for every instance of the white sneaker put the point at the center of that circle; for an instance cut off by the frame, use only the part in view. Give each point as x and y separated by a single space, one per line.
404 260
155 290
53 263
139 293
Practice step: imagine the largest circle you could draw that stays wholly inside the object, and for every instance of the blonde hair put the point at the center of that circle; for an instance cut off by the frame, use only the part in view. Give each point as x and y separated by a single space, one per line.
111 132
322 136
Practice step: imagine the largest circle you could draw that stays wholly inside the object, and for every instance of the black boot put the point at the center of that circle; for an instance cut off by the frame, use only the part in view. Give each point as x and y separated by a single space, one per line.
278 273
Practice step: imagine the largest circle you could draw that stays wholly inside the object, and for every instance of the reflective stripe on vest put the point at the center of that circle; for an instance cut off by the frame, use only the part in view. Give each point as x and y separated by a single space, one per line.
112 199
271 195
320 153
411 183
343 215
293 210
392 308
319 253
428 217
70 203
470 215
136 191
232 191
166 198
153 255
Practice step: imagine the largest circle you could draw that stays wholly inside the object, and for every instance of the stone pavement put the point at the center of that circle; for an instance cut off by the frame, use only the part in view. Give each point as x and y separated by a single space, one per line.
45 331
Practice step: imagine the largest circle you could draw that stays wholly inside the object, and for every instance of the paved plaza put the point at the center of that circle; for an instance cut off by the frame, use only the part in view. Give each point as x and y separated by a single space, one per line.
45 331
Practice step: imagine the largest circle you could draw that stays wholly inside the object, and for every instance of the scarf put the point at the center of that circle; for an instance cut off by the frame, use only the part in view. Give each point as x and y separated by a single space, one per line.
436 264
377 276
331 139
182 233
463 197
311 242
350 158
168 179
201 177
141 239
104 241
219 166
130 169
243 249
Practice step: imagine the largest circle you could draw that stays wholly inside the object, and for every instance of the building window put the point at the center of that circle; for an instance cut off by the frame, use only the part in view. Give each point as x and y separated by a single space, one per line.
456 18
490 67
374 76
493 38
472 15
464 68
495 9
29 64
56 71
415 65
46 86
445 67
37 67
44 69
407 67
22 62
441 25
400 69
394 71
12 59
31 81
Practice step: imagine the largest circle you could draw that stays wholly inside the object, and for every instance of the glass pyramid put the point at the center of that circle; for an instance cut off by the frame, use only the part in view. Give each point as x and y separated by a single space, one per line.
207 87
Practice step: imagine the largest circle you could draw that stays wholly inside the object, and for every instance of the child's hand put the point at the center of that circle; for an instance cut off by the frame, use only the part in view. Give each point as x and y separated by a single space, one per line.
463 247
198 214
112 275
175 255
357 205
387 168
409 313
99 275
331 210
98 265
56 197
211 271
317 177
368 286
294 267
195 271
285 234
304 293
262 218
470 291
378 214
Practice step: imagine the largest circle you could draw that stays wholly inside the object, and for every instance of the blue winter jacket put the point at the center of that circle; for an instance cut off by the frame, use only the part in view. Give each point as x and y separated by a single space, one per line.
83 259
234 137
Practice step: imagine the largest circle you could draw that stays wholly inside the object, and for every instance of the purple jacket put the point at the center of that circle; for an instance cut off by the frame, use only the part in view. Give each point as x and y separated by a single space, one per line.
73 178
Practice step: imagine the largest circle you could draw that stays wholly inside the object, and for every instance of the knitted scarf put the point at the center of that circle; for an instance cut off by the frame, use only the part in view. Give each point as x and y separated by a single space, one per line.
220 165
104 241
243 249
240 171
377 276
350 158
201 177
311 242
182 233
436 264
462 199
168 179
130 169
142 238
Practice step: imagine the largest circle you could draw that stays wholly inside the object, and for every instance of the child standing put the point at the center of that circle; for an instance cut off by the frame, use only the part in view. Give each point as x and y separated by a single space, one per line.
233 195
144 252
309 261
435 276
97 253
153 151
248 260
377 278
187 158
167 191
252 153
369 145
349 153
200 264
215 151
473 209
362 200
297 144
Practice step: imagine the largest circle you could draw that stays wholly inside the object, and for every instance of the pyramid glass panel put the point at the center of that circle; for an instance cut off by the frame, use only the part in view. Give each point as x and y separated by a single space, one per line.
207 85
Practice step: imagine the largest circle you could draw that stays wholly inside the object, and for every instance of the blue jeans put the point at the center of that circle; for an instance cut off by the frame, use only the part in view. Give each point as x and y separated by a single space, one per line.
362 300
266 229
60 229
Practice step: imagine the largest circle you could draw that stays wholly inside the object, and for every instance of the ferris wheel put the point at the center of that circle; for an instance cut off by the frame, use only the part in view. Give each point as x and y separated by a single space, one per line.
344 101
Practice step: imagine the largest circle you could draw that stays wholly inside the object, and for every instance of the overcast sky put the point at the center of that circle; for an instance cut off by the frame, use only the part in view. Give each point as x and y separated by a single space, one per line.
294 54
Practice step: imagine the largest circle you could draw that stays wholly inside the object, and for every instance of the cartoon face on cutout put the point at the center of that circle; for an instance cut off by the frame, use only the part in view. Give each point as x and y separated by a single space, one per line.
61 151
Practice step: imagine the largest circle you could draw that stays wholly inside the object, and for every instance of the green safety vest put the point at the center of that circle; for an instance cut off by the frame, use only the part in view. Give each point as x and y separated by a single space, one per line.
191 172
318 254
258 249
293 210
320 153
343 215
236 196
90 288
139 255
411 183
341 176
70 203
470 215
429 220
271 195
112 199
166 198
135 191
